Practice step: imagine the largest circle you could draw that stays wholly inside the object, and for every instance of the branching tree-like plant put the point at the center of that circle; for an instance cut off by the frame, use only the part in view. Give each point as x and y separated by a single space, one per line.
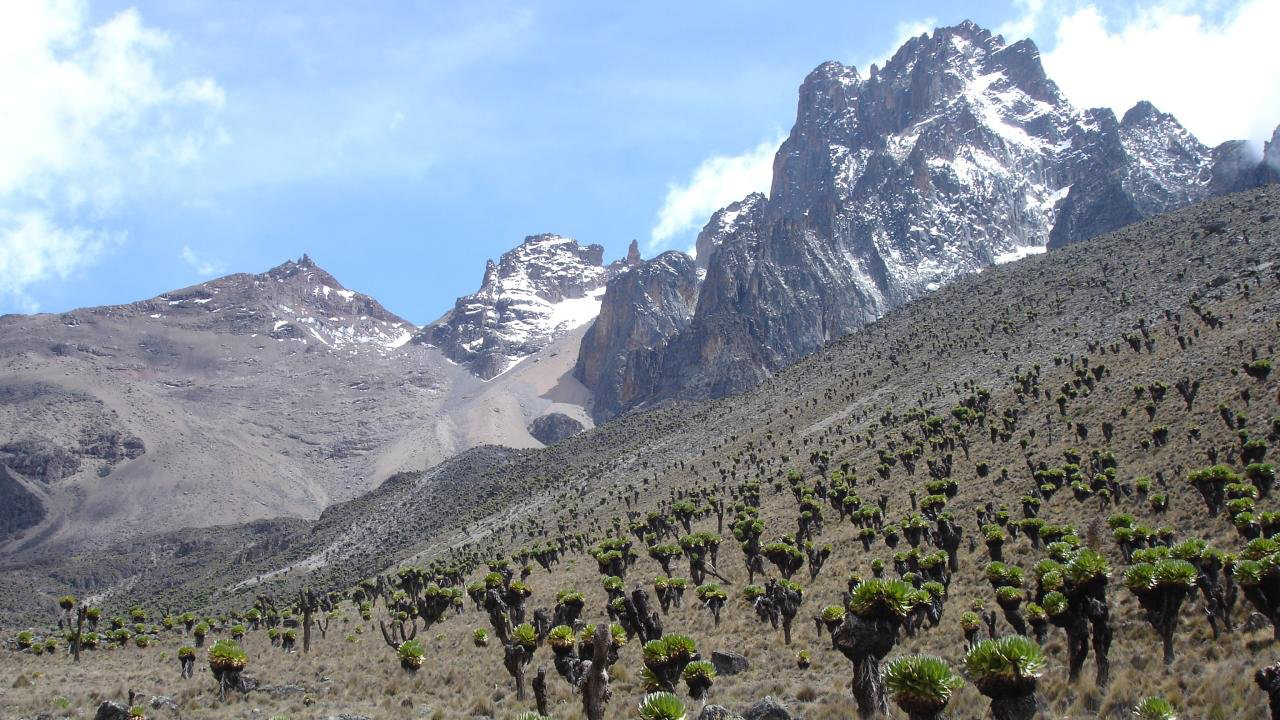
1212 483
877 609
1006 671
186 661
698 677
970 623
713 597
665 659
1268 678
1081 606
1258 575
518 653
199 632
747 529
1161 588
1010 601
921 685
569 604
227 660
411 655
665 553
785 556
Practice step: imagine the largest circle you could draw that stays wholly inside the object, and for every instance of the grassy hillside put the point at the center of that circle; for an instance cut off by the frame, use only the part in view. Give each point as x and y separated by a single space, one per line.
1083 387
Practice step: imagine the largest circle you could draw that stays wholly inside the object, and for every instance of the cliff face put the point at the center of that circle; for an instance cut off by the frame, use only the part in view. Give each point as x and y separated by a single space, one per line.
959 154
642 309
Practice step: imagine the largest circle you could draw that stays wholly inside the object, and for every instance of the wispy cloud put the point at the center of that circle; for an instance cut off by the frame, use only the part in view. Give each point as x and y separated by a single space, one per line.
716 182
906 30
87 119
203 265
1212 64
1030 13
34 249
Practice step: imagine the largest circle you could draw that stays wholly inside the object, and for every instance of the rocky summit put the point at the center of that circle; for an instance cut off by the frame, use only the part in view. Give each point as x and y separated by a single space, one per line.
535 293
960 153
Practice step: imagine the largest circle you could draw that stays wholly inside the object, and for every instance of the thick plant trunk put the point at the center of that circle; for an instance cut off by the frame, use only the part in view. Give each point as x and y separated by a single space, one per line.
868 690
540 691
1014 707
595 685
515 660
1268 678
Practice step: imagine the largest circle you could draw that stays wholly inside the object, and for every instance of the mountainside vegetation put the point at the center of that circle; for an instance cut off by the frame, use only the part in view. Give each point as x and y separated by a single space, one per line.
1047 487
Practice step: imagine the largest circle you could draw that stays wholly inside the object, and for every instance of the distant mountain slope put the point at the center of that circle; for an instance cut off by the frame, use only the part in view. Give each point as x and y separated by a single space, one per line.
249 396
958 154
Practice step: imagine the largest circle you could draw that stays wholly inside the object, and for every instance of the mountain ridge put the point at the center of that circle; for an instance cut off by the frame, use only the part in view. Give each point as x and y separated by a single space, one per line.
958 154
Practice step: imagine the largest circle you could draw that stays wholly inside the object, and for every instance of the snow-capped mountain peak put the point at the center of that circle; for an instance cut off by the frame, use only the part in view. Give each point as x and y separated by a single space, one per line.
957 154
546 286
294 302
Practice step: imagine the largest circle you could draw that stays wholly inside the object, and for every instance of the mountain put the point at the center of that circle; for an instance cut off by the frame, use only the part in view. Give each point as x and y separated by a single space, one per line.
643 307
1023 334
959 154
535 293
247 397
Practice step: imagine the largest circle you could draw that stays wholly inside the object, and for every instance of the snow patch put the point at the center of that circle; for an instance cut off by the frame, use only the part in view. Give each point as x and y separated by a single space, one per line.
1018 253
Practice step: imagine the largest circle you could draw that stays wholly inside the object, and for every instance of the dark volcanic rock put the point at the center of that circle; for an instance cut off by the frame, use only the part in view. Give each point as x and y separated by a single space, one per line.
112 445
766 709
724 222
1144 165
717 712
729 663
111 711
642 309
40 459
554 427
19 507
1269 169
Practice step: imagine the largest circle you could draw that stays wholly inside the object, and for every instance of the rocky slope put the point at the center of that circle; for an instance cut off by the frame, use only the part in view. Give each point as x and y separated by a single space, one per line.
249 396
642 308
959 154
534 294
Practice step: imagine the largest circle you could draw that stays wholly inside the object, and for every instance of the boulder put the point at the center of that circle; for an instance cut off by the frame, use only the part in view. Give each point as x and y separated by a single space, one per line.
717 712
554 427
766 709
111 711
729 663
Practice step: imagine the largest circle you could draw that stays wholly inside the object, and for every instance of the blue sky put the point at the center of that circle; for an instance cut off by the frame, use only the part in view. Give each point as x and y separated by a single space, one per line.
151 145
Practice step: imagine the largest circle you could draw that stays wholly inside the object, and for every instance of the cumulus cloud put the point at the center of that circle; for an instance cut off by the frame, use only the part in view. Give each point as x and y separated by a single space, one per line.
87 118
716 182
202 265
1211 64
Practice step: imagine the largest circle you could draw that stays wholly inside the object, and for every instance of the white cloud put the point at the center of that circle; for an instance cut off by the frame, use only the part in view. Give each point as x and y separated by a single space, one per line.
906 30
717 181
1218 74
1026 23
202 265
87 119
33 249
